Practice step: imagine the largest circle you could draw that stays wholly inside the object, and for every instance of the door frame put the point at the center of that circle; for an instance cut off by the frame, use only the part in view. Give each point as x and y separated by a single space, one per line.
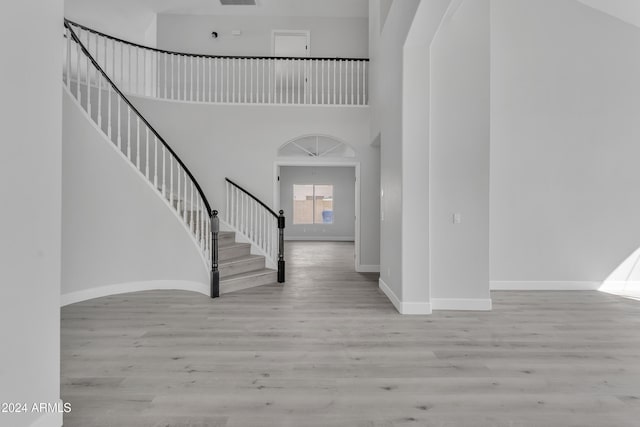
306 33
314 163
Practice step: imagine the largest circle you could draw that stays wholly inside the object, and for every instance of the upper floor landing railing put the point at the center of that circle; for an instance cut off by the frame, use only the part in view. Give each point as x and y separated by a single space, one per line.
144 71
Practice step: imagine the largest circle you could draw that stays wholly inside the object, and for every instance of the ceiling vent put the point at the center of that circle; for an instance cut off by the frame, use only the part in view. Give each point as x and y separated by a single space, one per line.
238 2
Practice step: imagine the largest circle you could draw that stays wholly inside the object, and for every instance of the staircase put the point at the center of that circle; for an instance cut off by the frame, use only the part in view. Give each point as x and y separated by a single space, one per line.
239 269
148 153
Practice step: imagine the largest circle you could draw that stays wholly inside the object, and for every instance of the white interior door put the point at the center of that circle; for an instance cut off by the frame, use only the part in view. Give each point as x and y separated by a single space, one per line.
291 76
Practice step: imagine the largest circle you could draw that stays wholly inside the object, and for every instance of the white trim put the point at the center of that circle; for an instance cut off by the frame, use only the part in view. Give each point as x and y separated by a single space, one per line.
49 419
465 304
323 163
365 268
123 288
321 238
543 286
408 308
306 33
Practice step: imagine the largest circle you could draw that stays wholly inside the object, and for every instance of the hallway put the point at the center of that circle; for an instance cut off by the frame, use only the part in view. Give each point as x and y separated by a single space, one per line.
328 349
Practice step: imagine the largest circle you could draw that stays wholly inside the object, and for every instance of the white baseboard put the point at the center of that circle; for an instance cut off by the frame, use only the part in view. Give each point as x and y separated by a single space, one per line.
320 239
404 307
49 419
363 268
123 288
544 286
464 304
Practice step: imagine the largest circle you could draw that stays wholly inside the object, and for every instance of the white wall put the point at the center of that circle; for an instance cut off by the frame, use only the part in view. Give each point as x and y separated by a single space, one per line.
415 153
115 229
386 75
30 170
344 191
565 148
241 142
134 22
330 37
459 159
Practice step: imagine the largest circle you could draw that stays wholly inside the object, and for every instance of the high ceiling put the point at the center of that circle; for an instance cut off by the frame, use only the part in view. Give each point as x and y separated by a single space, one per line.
134 20
340 8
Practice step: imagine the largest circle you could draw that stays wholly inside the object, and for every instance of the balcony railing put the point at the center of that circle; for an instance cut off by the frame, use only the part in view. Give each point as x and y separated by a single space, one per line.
144 71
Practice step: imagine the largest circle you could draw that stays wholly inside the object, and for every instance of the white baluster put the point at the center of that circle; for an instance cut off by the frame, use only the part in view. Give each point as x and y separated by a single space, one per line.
173 96
322 67
251 79
138 142
68 60
226 211
119 123
358 83
340 63
99 78
233 75
315 65
191 224
364 83
130 73
228 81
113 60
186 197
191 75
263 85
146 172
270 63
155 161
287 82
197 78
215 79
164 170
88 79
184 94
245 79
129 133
109 111
171 180
352 86
179 199
209 60
78 73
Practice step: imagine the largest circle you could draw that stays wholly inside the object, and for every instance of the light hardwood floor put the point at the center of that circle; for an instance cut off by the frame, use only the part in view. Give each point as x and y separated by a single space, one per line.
328 349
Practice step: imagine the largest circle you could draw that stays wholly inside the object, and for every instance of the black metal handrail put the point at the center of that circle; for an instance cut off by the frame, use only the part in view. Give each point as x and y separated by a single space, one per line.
196 55
213 215
74 36
260 202
281 224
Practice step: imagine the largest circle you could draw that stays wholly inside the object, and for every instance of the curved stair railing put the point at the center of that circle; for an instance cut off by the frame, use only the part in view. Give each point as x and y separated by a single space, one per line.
141 145
258 223
145 71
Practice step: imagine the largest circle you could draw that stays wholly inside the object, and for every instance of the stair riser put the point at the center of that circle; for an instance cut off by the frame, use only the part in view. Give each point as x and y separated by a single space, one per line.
241 267
225 253
250 282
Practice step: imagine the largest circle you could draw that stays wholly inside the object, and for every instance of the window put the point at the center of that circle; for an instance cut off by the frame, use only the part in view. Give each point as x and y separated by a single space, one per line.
312 204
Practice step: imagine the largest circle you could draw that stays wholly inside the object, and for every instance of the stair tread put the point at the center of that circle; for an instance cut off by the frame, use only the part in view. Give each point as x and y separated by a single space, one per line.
240 259
248 274
234 244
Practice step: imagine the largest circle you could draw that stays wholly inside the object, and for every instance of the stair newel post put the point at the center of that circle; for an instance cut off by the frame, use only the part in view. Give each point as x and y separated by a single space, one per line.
215 274
281 247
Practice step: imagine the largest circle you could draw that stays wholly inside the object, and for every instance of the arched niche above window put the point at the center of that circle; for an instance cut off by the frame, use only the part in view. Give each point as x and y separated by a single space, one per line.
320 146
